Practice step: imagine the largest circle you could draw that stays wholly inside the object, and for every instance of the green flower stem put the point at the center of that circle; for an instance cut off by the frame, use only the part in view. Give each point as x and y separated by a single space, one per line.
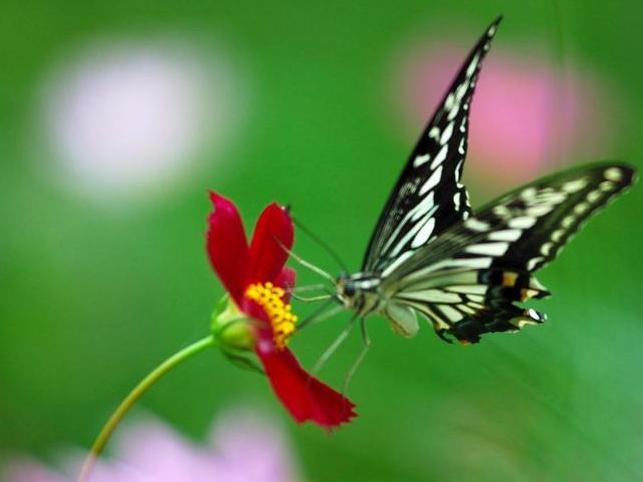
116 417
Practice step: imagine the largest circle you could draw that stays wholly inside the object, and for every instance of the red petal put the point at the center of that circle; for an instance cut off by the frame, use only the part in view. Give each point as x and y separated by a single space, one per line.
305 397
286 280
227 246
267 256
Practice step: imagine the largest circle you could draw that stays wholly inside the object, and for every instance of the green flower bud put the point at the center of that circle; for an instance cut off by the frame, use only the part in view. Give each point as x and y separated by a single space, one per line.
232 328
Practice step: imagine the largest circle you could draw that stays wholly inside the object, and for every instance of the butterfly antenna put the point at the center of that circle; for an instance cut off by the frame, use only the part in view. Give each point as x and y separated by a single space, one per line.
321 243
304 263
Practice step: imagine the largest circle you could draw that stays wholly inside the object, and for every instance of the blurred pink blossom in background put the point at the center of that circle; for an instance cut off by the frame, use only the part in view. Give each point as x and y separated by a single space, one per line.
243 448
528 117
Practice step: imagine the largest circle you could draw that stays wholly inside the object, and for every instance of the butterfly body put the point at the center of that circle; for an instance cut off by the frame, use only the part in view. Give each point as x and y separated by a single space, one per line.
464 289
467 272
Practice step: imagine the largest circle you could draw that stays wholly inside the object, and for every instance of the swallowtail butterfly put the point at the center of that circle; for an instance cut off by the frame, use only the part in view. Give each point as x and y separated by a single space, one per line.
466 271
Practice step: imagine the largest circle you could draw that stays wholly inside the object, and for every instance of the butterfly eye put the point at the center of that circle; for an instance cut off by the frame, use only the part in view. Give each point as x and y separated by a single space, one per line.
349 289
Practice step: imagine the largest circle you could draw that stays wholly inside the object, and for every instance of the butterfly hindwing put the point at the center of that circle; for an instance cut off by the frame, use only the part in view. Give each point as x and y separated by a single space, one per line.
467 281
429 196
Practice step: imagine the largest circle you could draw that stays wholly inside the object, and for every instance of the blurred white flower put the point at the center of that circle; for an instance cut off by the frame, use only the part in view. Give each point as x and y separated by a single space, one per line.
123 117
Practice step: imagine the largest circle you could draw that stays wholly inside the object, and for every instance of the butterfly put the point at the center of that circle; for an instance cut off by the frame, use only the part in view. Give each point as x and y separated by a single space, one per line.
467 272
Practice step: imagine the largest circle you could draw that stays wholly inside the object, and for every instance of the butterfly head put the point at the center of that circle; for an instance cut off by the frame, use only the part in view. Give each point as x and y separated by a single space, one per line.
346 289
354 290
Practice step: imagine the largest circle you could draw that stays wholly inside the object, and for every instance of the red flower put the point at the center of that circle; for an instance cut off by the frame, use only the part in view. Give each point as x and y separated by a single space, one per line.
255 277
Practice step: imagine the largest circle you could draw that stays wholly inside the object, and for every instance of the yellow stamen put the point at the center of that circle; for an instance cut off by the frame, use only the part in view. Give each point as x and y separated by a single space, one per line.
282 320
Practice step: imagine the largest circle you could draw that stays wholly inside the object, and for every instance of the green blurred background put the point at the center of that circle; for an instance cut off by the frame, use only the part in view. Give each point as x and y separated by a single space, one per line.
99 283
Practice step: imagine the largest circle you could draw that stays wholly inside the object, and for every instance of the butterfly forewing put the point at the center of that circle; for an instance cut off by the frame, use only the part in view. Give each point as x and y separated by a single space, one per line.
429 196
467 280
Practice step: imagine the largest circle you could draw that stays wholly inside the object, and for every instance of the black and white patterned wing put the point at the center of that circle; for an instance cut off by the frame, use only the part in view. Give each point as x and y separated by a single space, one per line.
468 280
429 196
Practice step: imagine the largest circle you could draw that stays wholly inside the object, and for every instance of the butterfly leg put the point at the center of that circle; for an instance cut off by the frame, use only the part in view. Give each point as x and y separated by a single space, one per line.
294 292
319 315
360 358
333 347
299 289
312 299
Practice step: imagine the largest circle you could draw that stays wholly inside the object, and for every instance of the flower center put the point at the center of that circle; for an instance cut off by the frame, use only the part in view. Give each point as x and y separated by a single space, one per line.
282 320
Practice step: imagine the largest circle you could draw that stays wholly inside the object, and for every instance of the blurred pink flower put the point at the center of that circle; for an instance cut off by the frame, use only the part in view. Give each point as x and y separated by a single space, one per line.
242 448
527 117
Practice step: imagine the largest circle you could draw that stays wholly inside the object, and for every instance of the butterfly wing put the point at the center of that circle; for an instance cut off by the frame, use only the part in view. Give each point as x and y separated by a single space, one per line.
467 281
428 196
